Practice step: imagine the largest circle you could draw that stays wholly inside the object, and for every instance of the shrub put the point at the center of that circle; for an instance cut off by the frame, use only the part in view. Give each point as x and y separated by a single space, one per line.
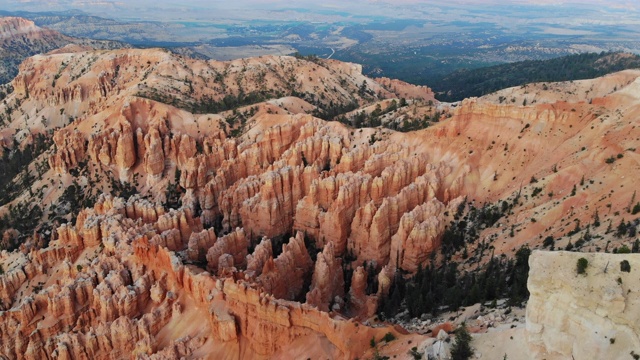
548 241
536 191
624 249
377 356
415 353
581 266
372 342
461 348
625 266
388 337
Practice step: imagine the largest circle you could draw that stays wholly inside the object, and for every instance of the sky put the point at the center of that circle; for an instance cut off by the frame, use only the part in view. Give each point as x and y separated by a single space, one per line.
169 10
40 5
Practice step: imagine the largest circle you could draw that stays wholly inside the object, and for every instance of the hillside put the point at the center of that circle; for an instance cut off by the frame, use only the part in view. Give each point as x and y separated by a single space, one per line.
174 207
463 84
21 38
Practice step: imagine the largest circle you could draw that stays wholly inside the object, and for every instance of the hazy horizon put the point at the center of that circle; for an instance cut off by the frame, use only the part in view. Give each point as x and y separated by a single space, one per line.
160 10
441 36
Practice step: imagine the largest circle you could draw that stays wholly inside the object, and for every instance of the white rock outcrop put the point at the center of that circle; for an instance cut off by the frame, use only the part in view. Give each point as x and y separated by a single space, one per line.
595 315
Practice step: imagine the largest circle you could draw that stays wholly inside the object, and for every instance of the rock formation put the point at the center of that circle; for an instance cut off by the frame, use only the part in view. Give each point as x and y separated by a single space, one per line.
404 90
256 261
328 281
200 243
153 154
71 150
284 276
234 244
419 233
361 305
590 315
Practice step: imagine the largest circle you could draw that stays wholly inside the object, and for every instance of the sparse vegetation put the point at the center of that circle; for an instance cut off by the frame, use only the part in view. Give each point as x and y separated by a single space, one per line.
548 241
414 353
625 266
461 348
24 217
467 83
434 289
388 337
174 192
624 249
15 176
536 191
581 265
122 189
206 104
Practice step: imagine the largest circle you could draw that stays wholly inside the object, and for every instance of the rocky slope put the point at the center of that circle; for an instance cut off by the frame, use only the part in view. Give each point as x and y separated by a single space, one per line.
269 225
21 38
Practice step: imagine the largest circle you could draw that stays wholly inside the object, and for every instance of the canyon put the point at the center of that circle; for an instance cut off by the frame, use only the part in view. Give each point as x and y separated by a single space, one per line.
206 209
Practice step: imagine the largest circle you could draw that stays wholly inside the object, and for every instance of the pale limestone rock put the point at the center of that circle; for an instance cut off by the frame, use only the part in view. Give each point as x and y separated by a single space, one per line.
571 315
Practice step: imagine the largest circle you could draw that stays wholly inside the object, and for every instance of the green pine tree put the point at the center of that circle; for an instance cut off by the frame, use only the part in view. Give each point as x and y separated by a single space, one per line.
461 348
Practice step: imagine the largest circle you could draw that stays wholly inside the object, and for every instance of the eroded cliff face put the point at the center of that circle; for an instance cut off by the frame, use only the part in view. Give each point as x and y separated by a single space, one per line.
115 286
583 316
289 173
